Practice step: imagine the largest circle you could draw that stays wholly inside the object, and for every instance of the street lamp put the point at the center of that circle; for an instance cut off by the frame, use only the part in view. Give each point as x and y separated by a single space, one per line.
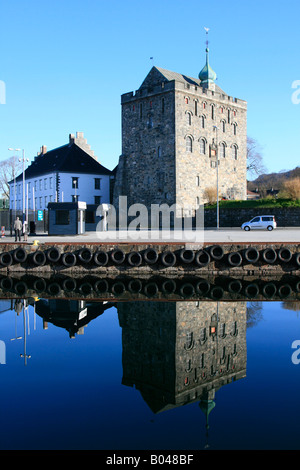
20 160
217 160
14 177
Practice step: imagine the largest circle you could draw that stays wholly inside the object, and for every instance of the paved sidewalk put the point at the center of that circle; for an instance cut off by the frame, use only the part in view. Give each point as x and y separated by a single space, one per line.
211 235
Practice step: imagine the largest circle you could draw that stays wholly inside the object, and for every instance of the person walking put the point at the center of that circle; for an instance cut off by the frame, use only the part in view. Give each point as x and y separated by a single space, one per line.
18 228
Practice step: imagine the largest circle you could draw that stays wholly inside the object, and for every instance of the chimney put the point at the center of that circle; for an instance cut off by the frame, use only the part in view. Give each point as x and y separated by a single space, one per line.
43 150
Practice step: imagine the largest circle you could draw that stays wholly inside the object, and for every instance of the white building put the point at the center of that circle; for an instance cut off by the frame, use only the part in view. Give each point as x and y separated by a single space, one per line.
66 174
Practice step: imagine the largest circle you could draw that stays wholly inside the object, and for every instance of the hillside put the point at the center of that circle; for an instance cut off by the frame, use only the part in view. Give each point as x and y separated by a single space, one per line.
273 181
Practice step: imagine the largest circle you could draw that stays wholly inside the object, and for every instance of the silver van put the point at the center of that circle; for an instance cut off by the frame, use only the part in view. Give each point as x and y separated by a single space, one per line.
266 222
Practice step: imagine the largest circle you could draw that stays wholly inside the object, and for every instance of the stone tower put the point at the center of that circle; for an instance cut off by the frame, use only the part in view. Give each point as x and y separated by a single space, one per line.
174 130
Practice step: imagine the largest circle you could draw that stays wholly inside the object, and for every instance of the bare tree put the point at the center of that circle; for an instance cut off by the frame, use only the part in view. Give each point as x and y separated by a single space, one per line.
9 169
292 188
255 164
210 194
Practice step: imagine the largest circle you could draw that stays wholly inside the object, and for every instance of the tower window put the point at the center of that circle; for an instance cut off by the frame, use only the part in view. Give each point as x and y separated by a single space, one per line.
222 150
202 146
189 118
212 112
196 108
203 122
234 152
234 128
189 144
223 126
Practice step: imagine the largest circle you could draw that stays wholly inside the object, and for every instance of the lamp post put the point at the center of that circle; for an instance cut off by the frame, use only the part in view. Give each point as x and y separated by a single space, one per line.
20 160
217 160
14 177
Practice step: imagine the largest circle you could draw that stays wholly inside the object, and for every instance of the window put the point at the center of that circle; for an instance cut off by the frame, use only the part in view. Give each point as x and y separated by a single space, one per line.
186 100
212 111
97 183
162 105
75 182
41 202
62 217
223 126
35 185
222 150
141 110
234 128
150 122
188 118
197 180
196 108
189 144
203 122
50 182
46 202
40 185
234 152
29 188
97 200
202 146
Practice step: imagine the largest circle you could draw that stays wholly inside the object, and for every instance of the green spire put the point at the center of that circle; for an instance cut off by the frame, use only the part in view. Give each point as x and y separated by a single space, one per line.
207 76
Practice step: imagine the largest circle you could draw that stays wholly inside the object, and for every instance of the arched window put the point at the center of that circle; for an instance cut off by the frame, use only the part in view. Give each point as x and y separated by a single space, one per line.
234 128
213 111
189 118
202 146
222 150
234 152
189 144
203 122
196 107
223 124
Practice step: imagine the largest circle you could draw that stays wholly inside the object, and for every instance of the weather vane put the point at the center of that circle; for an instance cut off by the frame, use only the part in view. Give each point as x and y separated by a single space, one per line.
206 29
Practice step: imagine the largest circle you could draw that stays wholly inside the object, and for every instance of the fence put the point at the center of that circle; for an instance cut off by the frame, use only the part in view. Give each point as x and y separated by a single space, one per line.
7 218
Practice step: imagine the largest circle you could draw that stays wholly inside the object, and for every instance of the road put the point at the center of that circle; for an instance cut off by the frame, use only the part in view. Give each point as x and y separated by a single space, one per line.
223 235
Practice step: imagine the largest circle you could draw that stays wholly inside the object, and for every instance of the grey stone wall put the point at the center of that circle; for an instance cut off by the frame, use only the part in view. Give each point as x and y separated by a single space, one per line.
285 217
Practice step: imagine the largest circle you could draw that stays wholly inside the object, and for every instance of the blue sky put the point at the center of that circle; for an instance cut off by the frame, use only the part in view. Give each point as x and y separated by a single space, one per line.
66 63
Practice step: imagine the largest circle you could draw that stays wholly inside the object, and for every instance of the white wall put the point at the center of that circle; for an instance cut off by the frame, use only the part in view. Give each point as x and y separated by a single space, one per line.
45 190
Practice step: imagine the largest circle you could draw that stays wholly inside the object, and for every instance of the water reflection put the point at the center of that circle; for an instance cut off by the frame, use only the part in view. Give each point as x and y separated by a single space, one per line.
181 352
179 347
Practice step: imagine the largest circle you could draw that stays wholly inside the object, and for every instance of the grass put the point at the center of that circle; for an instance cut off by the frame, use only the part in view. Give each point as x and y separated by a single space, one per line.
266 203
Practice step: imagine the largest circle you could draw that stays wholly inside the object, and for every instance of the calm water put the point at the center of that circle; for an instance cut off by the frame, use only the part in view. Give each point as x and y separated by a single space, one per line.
149 375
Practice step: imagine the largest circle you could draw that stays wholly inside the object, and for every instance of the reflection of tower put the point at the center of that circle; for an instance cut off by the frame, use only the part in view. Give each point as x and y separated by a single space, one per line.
206 405
181 352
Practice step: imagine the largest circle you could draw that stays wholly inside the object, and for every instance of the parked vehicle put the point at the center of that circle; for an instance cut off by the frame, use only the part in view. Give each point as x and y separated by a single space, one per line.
266 222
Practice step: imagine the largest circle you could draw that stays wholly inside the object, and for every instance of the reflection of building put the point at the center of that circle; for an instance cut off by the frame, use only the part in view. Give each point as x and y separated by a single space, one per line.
72 315
179 352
